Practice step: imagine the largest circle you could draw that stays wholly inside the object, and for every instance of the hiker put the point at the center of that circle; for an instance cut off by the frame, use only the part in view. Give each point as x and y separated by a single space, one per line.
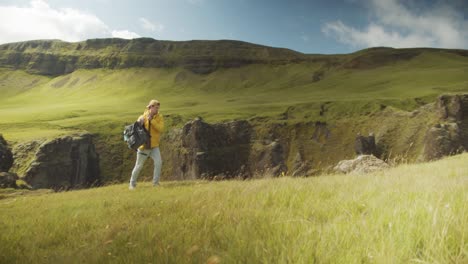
154 124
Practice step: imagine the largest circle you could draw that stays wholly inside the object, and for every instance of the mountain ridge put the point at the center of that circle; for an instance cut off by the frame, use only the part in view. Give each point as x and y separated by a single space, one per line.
56 57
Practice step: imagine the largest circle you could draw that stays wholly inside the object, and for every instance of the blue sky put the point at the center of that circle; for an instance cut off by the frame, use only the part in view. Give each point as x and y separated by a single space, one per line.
325 27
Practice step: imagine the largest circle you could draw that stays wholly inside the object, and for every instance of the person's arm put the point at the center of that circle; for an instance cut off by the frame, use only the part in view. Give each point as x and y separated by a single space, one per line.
159 123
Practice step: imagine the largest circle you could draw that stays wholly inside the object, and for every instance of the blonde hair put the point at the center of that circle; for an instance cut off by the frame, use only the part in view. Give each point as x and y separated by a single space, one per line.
151 102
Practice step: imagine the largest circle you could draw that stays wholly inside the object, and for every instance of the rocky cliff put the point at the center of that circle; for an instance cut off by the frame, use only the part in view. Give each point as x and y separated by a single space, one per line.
254 148
6 156
58 57
7 179
63 163
450 135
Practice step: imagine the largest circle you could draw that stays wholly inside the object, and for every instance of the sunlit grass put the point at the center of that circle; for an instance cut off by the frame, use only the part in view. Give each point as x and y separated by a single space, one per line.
409 214
347 100
253 90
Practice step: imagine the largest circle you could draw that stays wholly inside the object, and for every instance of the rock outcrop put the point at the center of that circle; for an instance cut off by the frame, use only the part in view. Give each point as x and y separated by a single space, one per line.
24 154
6 156
257 148
8 180
205 151
64 163
268 160
450 107
365 145
361 164
222 151
450 135
301 167
442 140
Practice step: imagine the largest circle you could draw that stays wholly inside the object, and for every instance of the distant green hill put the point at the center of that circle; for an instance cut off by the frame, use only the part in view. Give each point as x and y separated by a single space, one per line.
58 57
265 81
50 88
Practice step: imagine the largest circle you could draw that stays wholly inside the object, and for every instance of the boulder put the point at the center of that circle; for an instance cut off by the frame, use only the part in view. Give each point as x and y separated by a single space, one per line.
365 145
362 164
8 180
442 140
6 156
64 163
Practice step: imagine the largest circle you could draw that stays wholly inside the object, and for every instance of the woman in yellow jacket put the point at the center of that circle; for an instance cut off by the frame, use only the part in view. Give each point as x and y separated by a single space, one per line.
154 124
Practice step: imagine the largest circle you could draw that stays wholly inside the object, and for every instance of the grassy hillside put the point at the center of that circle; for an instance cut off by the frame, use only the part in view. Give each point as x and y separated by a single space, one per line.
374 90
86 97
408 214
58 57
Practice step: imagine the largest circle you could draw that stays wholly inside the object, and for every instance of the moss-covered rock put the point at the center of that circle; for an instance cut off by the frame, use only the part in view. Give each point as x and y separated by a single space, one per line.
6 156
442 140
64 163
8 180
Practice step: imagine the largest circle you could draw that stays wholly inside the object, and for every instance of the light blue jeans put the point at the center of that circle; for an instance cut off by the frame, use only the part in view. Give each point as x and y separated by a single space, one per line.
142 156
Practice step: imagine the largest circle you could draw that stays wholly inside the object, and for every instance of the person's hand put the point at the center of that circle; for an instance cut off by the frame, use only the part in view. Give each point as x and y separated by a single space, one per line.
141 120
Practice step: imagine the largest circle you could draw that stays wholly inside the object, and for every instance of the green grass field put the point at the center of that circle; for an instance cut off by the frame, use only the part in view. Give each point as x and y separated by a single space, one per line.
348 96
408 214
85 98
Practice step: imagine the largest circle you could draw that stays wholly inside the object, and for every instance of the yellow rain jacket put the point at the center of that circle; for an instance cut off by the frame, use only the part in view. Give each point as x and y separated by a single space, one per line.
157 127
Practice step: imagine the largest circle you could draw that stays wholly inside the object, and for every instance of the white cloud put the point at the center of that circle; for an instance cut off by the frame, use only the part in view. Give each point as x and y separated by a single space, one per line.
125 34
40 21
148 25
397 26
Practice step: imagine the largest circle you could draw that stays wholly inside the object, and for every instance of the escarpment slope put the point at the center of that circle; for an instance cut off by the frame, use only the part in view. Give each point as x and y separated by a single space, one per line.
298 113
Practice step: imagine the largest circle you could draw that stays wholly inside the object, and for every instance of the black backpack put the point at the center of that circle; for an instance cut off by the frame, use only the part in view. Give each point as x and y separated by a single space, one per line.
135 135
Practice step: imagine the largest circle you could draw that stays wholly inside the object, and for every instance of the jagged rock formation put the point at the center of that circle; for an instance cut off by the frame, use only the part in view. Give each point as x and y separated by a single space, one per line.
6 156
24 154
450 107
365 145
292 149
8 180
301 167
222 151
268 149
64 163
442 140
205 151
450 135
361 164
258 147
268 160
